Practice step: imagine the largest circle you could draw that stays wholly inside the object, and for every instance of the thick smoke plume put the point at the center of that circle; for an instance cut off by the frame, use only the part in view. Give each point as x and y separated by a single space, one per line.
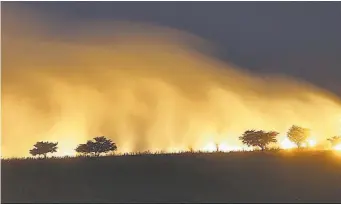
146 87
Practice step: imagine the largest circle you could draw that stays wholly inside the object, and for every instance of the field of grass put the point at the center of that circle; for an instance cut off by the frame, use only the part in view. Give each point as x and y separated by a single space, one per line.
188 177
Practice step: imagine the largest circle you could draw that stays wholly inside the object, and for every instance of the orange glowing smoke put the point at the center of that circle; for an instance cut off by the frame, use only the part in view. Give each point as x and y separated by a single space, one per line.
145 87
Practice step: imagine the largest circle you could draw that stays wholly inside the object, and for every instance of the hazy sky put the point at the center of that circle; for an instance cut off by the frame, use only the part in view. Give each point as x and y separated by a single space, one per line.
301 39
167 76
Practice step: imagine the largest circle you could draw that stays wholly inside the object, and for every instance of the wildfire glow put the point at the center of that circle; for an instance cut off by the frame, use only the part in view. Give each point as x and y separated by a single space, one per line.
337 147
287 144
145 87
210 147
66 148
222 147
312 143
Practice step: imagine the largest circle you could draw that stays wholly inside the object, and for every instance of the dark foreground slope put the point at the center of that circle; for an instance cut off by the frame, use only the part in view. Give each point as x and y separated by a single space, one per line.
218 177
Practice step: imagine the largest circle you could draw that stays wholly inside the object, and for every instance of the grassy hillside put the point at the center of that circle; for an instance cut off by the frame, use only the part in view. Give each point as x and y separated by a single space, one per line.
215 177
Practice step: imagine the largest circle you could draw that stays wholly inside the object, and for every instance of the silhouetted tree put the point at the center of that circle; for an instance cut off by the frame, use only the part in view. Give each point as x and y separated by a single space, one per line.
42 148
298 135
258 138
83 149
335 140
98 146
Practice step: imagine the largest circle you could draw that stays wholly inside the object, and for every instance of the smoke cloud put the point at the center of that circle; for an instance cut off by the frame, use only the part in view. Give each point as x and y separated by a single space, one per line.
144 86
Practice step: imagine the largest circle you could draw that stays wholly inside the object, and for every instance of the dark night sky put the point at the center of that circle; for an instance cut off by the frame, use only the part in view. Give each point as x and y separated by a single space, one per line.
301 39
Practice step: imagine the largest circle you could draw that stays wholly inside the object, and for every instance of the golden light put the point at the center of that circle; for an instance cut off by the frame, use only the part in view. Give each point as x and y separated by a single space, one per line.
287 144
210 147
175 150
66 151
66 147
337 150
223 147
312 143
337 147
69 92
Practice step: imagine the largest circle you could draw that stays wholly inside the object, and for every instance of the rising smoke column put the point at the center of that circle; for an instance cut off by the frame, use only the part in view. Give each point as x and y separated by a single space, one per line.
144 86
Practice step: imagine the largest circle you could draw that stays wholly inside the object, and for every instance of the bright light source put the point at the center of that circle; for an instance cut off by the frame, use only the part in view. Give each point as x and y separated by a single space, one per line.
337 147
210 147
287 144
223 147
312 143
